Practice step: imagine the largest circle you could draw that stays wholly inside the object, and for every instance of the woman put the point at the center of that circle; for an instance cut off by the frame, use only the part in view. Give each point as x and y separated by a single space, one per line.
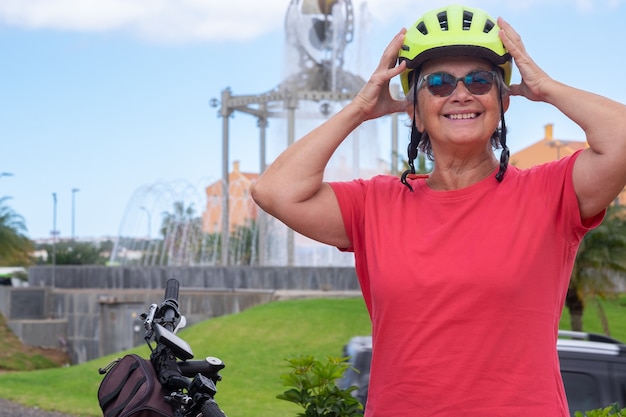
464 272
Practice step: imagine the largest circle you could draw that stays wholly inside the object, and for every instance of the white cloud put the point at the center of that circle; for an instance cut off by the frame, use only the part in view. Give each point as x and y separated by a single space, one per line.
69 14
207 20
156 20
392 9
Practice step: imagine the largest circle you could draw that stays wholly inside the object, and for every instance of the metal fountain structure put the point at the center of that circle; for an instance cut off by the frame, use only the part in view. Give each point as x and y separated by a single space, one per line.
319 31
316 85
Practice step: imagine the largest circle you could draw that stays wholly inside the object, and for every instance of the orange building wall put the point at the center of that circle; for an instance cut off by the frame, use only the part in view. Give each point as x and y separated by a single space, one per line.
550 149
546 150
241 206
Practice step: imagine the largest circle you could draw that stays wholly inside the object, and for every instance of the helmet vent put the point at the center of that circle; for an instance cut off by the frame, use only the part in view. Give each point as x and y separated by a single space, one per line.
422 28
488 26
443 20
467 19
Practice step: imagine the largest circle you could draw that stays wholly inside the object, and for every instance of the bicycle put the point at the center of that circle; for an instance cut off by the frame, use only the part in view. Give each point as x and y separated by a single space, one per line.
187 386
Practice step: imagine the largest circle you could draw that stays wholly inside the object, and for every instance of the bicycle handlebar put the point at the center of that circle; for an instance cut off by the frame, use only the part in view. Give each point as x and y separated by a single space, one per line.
194 380
211 409
208 367
169 306
171 290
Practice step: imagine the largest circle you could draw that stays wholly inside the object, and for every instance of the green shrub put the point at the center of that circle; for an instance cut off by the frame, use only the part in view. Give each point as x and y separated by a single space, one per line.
611 410
313 388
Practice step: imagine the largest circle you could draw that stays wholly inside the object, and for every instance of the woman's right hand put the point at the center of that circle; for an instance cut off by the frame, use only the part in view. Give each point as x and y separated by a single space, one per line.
374 100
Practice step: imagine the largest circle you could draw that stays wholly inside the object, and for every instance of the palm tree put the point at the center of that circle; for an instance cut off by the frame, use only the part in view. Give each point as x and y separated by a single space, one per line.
182 235
244 244
600 258
15 247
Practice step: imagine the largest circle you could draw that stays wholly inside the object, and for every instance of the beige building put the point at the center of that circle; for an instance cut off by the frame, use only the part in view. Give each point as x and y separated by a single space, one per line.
546 150
241 207
550 149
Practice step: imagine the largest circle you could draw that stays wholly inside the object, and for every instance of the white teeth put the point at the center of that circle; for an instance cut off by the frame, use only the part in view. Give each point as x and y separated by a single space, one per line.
463 116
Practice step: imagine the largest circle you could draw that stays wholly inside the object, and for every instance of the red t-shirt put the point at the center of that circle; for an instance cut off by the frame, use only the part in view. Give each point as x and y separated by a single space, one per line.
465 290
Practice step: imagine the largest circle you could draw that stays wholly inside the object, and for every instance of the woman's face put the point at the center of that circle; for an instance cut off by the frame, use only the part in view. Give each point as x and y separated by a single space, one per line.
462 118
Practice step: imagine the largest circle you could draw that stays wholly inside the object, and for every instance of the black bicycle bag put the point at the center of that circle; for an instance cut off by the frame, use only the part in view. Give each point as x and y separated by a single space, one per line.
131 388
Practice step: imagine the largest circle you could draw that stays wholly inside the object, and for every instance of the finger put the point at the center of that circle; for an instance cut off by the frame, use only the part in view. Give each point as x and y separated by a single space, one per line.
398 69
508 29
511 39
515 90
390 55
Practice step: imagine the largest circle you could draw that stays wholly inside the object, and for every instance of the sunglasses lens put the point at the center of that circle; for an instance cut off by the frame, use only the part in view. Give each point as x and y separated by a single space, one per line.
479 82
441 84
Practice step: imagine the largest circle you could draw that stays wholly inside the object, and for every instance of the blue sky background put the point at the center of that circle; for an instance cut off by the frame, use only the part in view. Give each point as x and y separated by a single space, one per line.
112 96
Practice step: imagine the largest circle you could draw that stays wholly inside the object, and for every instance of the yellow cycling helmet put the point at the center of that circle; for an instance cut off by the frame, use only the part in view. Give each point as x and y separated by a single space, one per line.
453 30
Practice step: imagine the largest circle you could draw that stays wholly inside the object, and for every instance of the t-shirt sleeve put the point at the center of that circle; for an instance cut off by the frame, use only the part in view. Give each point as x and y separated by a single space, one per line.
351 198
564 191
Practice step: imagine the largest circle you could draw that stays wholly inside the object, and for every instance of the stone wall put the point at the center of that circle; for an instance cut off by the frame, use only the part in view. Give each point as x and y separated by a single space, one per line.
267 278
93 311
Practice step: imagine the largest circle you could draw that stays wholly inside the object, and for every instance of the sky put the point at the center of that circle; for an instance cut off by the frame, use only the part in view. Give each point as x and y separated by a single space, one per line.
111 98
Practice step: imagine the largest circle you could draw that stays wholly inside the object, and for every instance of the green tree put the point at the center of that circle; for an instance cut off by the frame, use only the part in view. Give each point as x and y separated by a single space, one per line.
313 388
15 247
612 410
183 238
244 244
422 165
185 243
600 258
77 253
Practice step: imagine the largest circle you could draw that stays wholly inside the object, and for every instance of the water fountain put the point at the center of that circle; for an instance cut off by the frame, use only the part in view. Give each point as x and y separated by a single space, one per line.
316 85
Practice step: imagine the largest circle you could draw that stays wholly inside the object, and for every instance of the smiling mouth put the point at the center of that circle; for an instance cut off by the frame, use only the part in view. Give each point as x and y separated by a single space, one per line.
463 116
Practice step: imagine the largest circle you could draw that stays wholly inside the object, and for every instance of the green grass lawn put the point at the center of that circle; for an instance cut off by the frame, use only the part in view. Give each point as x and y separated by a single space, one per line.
14 356
254 345
615 310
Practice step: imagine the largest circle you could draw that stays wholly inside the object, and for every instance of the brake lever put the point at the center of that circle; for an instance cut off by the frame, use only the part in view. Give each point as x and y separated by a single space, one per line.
181 324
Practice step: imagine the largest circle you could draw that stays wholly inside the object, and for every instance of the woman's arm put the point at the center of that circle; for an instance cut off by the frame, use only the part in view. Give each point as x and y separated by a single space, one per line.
600 171
292 188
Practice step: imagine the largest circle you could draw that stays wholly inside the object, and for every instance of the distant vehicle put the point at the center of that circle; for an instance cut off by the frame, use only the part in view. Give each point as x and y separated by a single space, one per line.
593 368
10 276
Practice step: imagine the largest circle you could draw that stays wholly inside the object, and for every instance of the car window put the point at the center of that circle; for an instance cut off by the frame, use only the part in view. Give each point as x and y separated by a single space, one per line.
582 391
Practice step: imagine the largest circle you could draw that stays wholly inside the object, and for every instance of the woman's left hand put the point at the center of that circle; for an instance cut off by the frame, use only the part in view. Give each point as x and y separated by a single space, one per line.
533 77
599 173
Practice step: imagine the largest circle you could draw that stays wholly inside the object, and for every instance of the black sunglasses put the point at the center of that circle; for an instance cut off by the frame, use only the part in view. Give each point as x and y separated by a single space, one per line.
442 84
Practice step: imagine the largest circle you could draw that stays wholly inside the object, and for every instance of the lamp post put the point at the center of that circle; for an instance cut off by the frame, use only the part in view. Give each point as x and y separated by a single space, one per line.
74 191
54 233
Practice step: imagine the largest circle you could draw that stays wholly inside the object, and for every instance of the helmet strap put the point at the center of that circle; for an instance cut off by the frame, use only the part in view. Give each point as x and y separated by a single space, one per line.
504 155
412 149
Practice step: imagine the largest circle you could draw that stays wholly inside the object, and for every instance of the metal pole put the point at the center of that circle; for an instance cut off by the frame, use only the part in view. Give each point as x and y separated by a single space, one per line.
74 191
225 113
261 217
54 234
291 133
